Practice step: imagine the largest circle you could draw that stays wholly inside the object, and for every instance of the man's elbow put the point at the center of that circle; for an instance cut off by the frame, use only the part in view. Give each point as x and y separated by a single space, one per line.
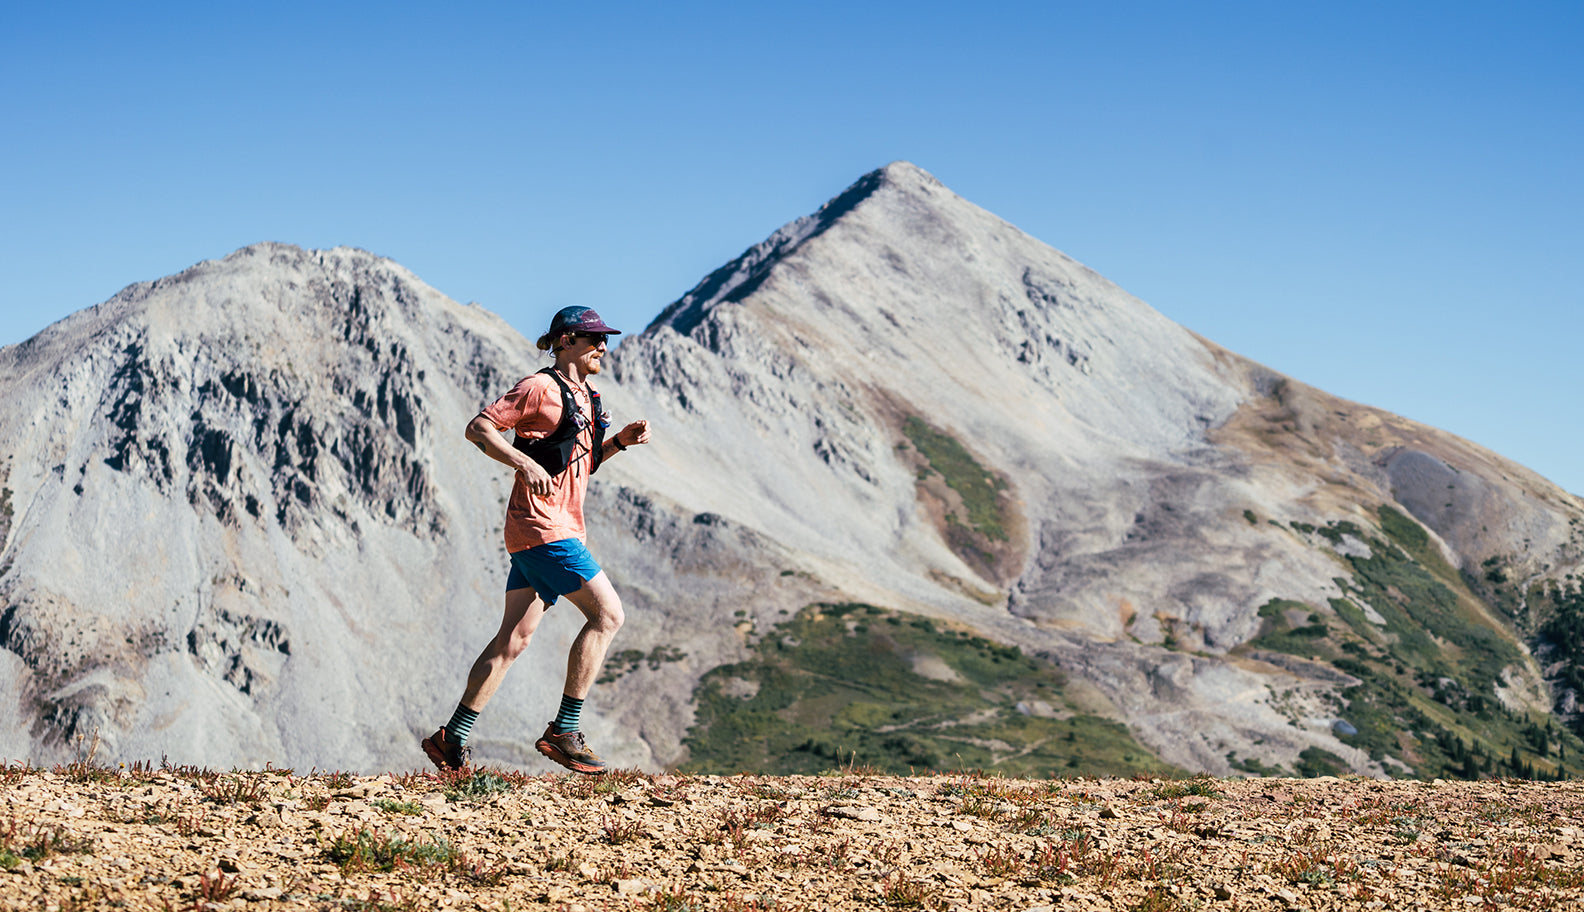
475 432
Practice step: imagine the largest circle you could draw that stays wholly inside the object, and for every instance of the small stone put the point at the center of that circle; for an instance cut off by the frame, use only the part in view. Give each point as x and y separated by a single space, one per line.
629 887
849 812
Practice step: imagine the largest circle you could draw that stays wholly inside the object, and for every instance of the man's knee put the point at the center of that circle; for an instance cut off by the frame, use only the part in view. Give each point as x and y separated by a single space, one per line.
609 617
600 604
516 644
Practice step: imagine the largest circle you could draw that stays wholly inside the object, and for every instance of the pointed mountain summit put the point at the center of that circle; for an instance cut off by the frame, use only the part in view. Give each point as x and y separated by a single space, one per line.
901 304
922 489
940 414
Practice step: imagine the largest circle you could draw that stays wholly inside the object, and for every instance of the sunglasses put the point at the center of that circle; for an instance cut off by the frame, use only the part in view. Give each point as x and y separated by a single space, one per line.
593 338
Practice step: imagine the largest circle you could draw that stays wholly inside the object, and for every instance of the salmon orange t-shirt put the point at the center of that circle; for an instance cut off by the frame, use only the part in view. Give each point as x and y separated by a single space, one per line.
533 410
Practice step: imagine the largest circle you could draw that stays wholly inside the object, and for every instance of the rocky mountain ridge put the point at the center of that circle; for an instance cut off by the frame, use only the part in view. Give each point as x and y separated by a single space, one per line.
900 401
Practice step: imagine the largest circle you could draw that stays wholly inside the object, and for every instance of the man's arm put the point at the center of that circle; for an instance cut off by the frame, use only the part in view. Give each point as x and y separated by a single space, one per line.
635 433
482 433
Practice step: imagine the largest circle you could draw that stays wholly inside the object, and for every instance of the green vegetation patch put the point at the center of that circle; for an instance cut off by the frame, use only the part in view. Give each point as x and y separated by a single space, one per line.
1496 587
1253 766
851 684
1414 591
32 842
1201 786
1428 675
367 850
629 660
1316 761
979 488
480 784
391 806
1278 634
1563 634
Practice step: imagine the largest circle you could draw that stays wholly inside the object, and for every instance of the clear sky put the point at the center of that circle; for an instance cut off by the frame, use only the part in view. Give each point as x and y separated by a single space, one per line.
1381 199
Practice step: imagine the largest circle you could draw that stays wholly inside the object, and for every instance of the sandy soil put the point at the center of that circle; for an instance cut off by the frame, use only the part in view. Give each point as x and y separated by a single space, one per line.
83 837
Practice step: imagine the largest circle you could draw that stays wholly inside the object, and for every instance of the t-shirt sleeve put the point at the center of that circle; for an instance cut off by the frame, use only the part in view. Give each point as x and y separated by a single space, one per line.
526 398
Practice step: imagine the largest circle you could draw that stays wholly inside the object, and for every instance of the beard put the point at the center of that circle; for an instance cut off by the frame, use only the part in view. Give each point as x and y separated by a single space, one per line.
592 365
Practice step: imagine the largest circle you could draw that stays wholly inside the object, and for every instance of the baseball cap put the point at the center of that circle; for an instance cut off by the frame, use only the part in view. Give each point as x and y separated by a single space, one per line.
579 319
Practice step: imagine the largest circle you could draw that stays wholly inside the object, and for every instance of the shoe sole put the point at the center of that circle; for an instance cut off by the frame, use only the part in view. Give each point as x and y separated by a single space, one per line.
557 755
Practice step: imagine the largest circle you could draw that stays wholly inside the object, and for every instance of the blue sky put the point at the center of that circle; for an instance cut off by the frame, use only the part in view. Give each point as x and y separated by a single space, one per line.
1380 199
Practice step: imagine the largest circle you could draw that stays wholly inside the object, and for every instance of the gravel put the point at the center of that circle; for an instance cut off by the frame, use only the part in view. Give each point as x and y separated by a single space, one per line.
87 838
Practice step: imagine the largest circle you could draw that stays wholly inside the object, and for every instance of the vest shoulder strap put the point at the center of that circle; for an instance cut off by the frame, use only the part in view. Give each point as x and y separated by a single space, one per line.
555 451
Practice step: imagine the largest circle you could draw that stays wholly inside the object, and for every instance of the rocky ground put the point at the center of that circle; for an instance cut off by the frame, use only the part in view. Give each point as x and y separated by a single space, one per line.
178 838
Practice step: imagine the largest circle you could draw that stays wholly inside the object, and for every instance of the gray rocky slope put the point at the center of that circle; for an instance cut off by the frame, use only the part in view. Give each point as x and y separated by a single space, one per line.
241 524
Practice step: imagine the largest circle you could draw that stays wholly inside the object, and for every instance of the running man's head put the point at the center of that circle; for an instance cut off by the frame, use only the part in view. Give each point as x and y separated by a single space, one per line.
570 321
577 334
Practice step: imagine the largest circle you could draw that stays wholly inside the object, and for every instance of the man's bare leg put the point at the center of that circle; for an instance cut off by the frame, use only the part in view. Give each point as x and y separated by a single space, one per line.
447 748
602 613
524 610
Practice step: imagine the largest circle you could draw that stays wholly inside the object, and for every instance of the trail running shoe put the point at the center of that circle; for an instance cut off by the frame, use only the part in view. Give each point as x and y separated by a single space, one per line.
569 750
445 753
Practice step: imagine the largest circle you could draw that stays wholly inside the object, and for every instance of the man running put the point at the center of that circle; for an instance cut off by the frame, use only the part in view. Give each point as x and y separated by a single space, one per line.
559 442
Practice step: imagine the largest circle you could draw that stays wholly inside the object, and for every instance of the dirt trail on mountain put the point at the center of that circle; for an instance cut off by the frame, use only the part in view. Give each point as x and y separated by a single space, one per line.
81 837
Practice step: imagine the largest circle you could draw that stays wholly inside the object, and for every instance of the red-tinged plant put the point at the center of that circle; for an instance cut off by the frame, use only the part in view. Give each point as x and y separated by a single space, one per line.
621 830
218 888
1002 861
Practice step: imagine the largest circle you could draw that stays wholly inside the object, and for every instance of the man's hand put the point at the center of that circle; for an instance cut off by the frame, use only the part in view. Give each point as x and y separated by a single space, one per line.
487 437
633 434
534 477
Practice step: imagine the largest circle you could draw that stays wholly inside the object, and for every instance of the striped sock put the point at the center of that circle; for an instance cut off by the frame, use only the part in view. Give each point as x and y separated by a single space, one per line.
567 719
461 724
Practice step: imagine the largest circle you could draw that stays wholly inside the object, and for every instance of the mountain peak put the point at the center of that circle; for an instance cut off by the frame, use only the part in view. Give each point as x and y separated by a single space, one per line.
739 278
905 173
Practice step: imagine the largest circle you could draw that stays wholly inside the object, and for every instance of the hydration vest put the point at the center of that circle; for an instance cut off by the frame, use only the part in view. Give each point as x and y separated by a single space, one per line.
554 452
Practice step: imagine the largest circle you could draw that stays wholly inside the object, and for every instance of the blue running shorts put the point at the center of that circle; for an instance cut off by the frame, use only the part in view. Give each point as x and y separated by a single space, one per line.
553 569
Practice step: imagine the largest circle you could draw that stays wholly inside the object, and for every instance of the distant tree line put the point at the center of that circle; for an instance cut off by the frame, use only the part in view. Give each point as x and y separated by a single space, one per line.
1564 633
